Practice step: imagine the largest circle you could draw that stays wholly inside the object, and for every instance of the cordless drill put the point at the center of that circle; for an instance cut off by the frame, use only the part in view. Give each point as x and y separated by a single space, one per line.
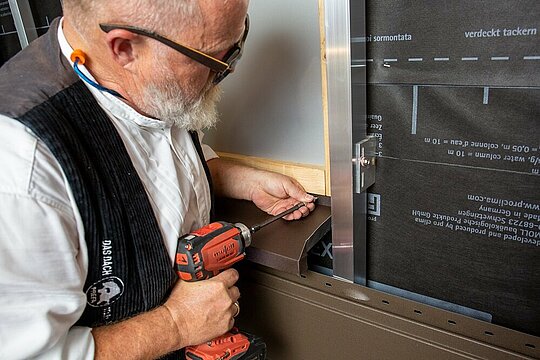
202 254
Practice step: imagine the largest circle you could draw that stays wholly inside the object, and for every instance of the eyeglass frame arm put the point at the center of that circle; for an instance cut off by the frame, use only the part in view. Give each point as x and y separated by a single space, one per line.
212 63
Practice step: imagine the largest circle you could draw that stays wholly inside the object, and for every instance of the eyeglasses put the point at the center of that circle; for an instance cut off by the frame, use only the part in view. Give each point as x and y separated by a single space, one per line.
222 68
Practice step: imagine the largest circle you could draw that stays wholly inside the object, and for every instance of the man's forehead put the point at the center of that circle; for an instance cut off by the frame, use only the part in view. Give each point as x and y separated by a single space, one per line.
224 14
221 23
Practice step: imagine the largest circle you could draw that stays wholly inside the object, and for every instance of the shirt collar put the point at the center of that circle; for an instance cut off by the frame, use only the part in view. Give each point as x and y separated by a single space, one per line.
110 102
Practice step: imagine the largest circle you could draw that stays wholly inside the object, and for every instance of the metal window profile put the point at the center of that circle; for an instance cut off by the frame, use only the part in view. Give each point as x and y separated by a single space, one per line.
24 21
348 210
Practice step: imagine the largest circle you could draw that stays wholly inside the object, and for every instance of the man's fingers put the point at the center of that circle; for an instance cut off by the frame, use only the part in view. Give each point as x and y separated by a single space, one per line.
300 213
305 210
295 190
229 277
231 323
234 293
301 195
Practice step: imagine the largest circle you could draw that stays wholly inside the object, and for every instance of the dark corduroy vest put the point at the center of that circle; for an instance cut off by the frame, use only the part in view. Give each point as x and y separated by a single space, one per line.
129 269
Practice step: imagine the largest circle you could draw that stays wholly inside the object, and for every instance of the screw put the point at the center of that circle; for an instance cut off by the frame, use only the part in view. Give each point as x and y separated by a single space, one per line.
364 161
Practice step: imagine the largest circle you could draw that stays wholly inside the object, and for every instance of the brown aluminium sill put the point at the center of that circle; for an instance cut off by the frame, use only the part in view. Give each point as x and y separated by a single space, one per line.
282 245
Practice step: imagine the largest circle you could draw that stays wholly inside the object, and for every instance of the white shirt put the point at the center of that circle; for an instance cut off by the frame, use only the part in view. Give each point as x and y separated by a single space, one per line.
43 255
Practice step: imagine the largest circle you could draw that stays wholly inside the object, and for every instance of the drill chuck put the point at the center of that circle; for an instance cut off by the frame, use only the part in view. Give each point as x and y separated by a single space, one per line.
245 232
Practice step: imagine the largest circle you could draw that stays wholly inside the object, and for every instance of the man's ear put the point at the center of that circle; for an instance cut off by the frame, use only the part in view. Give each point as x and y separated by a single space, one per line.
121 46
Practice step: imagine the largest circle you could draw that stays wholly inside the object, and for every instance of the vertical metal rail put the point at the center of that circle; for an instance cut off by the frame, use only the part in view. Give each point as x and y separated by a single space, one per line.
364 162
24 21
338 62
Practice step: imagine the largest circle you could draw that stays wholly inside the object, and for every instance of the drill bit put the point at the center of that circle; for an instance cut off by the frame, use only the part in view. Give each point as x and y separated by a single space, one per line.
257 227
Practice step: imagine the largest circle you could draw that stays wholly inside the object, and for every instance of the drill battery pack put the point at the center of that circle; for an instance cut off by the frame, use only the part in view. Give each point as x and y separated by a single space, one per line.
234 345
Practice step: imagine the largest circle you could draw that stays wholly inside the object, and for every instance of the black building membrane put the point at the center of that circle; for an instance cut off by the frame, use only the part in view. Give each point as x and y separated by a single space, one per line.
453 96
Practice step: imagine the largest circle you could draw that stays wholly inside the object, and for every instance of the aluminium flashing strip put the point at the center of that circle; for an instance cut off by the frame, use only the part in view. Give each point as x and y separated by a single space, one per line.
282 245
339 107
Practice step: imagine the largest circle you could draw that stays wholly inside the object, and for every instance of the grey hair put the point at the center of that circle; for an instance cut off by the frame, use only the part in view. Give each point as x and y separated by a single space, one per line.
162 16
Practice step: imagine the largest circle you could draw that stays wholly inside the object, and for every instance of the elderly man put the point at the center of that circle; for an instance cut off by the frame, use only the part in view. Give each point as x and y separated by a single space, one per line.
102 171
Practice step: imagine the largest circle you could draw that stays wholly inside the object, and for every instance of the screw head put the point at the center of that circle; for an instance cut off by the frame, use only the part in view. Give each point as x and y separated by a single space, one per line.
364 161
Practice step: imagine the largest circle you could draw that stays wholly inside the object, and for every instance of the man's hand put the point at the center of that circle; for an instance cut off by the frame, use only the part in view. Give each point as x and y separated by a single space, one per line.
203 310
271 192
275 193
194 313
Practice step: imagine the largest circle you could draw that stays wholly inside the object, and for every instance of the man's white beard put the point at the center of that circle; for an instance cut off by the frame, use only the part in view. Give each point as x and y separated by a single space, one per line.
167 103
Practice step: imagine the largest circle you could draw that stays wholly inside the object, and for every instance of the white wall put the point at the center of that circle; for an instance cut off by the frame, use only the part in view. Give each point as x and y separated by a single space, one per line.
272 104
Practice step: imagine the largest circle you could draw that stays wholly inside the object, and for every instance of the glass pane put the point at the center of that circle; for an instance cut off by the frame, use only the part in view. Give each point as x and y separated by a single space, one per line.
44 11
9 41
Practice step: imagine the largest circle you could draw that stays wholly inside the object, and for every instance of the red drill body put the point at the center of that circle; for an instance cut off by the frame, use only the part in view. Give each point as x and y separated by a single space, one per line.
205 252
202 254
